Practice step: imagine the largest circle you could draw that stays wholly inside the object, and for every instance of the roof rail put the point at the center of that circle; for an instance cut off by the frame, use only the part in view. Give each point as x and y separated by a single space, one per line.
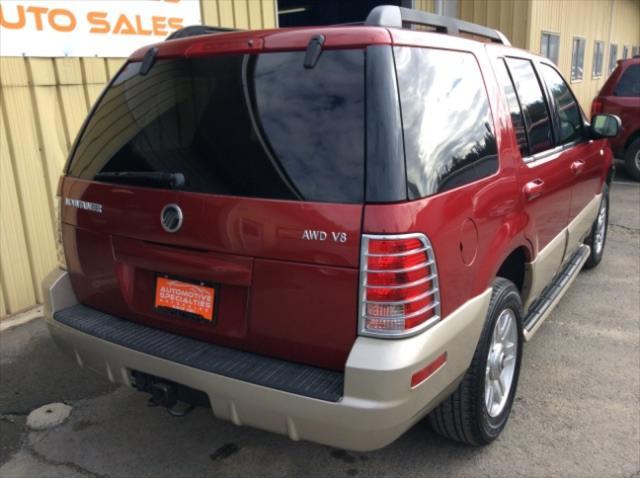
195 30
397 17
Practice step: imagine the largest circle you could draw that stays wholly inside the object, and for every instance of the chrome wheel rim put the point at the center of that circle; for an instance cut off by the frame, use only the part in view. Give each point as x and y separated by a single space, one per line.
637 160
501 363
601 227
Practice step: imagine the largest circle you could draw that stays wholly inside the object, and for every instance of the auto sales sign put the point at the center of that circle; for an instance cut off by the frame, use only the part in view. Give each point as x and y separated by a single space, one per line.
83 28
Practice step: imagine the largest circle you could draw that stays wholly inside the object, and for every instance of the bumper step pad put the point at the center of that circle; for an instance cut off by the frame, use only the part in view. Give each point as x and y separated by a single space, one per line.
269 372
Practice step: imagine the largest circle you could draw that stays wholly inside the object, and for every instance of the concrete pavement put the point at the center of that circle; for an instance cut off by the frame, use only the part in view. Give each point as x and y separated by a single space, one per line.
577 410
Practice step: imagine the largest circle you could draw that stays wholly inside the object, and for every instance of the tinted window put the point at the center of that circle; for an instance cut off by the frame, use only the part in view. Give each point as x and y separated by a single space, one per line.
550 46
534 107
629 82
448 130
577 59
514 107
259 125
569 114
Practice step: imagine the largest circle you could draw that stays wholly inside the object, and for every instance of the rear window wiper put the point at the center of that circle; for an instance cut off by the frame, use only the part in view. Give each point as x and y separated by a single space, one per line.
144 178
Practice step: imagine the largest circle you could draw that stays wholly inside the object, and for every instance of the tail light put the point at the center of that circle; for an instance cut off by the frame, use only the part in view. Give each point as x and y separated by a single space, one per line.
399 294
596 107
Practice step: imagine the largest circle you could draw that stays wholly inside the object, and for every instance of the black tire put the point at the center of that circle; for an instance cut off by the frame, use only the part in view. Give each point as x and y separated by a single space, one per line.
463 416
596 253
632 161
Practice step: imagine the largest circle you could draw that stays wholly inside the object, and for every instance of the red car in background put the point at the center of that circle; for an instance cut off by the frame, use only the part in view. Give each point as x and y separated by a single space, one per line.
620 96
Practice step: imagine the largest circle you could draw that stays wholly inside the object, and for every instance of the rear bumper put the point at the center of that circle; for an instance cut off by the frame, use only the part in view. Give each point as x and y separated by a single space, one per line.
377 404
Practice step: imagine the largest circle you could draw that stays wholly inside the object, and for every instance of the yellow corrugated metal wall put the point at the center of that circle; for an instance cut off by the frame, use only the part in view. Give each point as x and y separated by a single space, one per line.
523 22
425 5
43 102
589 19
511 17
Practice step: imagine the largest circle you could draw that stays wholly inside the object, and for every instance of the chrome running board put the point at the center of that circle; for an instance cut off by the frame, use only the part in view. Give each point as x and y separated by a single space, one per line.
552 293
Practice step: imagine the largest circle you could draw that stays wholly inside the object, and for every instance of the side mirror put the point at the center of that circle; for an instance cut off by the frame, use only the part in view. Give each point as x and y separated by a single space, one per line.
605 126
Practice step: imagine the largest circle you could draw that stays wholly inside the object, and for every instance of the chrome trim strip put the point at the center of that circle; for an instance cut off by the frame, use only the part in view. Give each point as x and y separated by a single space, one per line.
398 254
362 288
405 317
406 269
408 285
400 302
543 156
401 334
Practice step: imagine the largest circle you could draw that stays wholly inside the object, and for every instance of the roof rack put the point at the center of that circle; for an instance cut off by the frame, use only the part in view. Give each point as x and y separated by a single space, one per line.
195 30
397 17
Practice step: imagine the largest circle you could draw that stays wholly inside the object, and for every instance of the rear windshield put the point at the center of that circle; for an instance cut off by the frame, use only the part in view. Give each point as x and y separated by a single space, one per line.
242 125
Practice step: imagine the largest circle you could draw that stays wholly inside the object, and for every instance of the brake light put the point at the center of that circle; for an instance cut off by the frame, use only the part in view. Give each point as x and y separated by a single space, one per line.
596 107
399 293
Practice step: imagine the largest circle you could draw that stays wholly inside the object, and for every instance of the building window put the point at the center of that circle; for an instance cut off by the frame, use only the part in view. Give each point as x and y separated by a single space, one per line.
613 56
634 51
577 59
598 59
625 52
550 45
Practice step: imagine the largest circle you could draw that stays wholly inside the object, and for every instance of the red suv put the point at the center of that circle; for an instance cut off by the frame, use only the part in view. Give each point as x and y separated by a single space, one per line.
620 95
332 232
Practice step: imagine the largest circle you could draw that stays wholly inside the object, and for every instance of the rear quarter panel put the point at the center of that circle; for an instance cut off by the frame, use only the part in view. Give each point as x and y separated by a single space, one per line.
472 228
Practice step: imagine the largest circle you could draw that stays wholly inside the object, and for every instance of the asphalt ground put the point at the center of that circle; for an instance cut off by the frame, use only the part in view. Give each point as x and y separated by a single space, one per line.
577 410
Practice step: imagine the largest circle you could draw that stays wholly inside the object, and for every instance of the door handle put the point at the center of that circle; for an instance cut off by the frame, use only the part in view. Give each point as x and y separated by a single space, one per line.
577 166
533 189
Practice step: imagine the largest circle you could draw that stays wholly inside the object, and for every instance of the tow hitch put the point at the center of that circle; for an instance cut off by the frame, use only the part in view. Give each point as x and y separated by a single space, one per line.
178 399
166 395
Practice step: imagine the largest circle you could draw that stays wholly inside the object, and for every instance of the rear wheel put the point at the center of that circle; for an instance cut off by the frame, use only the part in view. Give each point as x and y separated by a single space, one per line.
598 236
632 159
477 412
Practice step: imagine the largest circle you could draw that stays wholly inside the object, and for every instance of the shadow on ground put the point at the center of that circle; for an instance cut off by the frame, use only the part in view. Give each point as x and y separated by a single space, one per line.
576 410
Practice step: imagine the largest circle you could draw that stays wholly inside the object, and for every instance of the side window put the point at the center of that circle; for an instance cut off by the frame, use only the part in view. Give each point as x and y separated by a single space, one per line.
534 107
447 122
514 107
571 122
629 82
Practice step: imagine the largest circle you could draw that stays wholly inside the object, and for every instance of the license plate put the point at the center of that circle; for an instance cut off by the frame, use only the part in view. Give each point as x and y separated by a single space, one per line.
190 299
